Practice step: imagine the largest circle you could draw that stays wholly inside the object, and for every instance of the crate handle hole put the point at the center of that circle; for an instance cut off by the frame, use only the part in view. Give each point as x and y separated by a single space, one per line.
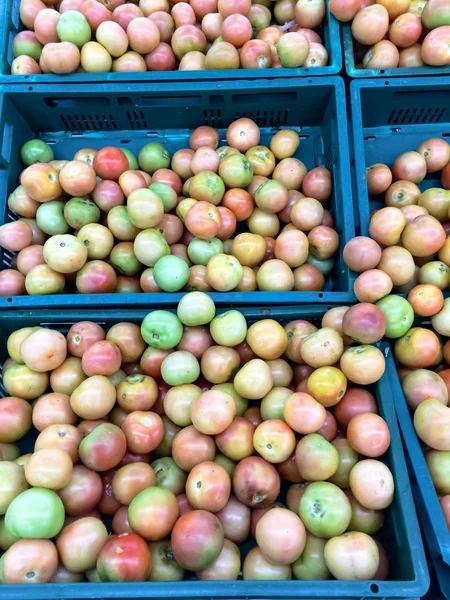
125 141
386 83
9 300
320 295
374 588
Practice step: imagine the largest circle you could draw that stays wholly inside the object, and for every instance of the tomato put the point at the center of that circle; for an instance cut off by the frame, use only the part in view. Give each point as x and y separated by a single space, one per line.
161 329
49 468
15 419
29 561
153 513
80 543
197 540
35 513
274 440
325 510
372 484
419 348
353 555
110 163
36 151
103 448
82 493
316 459
257 567
125 557
144 431
256 482
164 565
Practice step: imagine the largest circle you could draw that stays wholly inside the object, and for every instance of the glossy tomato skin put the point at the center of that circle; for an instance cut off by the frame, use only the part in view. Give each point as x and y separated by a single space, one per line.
125 557
110 163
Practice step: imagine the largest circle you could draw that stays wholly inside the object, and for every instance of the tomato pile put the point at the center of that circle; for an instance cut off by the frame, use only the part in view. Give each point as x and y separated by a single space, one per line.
408 248
184 430
155 35
401 33
107 221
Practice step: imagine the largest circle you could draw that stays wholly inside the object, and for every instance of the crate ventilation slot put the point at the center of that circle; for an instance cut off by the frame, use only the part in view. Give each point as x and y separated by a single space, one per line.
213 117
88 122
414 116
266 118
136 119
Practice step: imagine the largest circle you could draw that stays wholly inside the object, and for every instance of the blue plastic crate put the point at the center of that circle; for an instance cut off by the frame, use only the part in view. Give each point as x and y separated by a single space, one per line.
355 73
391 116
70 117
428 508
11 25
430 513
400 534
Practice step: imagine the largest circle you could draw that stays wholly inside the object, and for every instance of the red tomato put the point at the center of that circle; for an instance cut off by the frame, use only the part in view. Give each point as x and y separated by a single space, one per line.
110 163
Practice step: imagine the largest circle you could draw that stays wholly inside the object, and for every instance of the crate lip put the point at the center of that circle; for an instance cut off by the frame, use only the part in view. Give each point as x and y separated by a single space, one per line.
359 169
266 298
317 590
430 499
170 76
153 300
355 73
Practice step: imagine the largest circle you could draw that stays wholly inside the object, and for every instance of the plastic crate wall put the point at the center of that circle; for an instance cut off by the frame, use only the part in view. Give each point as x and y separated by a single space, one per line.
69 118
400 534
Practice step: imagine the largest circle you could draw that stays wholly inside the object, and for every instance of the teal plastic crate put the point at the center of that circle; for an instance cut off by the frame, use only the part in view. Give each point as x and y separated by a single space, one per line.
391 116
11 25
355 73
428 508
429 511
400 534
70 117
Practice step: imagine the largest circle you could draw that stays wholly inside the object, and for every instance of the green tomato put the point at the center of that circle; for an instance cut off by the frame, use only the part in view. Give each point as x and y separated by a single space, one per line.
10 451
6 539
399 315
171 273
179 368
152 157
228 328
201 251
166 193
325 510
161 329
1 569
225 462
196 308
150 246
36 151
132 160
169 475
241 403
324 266
50 218
73 27
79 212
272 405
236 171
436 273
35 513
311 564
124 260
